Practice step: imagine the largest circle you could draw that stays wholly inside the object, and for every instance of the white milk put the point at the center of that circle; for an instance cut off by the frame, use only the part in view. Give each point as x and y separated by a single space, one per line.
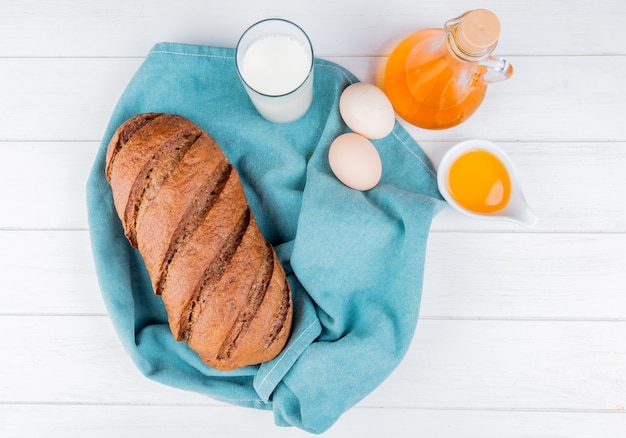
275 65
277 72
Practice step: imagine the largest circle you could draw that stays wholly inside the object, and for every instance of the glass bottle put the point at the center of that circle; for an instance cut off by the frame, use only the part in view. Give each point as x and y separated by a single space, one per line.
437 78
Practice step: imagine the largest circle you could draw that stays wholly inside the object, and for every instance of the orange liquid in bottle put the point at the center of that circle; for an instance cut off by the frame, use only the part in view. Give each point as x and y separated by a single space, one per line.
428 86
479 182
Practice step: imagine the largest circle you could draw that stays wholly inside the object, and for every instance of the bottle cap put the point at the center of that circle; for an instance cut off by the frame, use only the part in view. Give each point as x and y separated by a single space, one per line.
479 30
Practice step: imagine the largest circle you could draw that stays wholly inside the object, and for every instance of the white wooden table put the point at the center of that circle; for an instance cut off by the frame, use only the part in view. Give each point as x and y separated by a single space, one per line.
522 332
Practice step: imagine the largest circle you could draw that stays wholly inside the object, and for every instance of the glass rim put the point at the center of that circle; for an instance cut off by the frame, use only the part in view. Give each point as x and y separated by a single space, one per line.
310 46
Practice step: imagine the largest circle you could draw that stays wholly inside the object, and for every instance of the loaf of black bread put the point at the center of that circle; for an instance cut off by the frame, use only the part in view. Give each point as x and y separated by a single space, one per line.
182 205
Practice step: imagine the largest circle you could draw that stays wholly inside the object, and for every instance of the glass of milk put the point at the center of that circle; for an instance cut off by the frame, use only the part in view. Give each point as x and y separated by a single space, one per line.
275 63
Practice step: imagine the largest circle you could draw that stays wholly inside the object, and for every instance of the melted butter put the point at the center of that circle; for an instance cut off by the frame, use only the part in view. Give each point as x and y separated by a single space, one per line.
478 181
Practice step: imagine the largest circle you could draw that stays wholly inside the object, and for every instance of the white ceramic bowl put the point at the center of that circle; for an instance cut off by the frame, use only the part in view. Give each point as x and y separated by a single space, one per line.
516 210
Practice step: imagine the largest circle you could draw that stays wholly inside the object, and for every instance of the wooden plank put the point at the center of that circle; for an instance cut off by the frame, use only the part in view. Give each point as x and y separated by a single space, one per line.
467 275
503 364
52 184
578 109
466 364
103 421
495 275
60 99
535 276
41 28
573 187
44 272
75 359
72 99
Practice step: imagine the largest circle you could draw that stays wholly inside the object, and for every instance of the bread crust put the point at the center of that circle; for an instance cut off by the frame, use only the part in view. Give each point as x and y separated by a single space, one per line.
181 203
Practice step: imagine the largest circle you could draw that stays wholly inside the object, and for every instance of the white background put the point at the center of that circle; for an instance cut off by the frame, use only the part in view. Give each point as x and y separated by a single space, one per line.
522 332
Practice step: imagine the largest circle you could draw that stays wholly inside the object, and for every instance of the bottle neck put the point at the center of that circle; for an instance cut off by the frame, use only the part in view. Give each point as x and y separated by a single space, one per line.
461 50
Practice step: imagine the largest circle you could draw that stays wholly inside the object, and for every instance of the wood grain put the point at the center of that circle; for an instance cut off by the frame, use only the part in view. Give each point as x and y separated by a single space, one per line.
527 365
504 276
100 421
549 99
156 421
572 187
356 28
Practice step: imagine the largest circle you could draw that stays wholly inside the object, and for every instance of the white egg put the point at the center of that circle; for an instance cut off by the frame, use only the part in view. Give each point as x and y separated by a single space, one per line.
355 161
366 109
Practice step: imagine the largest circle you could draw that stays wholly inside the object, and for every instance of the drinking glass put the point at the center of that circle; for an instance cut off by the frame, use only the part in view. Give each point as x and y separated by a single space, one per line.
275 60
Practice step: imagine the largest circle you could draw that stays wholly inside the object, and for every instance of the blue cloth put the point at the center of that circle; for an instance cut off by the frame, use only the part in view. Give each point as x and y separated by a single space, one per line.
354 259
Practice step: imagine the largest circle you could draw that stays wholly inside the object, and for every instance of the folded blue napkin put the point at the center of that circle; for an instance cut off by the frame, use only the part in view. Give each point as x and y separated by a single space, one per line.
354 259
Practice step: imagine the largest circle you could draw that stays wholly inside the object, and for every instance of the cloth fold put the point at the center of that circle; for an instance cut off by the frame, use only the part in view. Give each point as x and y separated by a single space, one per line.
354 260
